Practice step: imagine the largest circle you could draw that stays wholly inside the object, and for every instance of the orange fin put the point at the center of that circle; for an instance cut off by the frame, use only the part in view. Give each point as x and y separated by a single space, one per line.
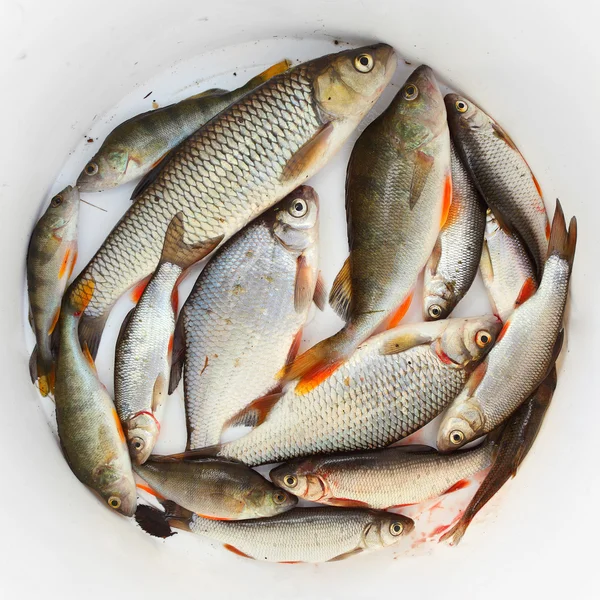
548 230
503 331
65 264
349 502
305 285
118 424
340 297
447 201
306 158
54 321
459 485
255 413
562 242
88 357
528 290
211 518
73 261
293 351
537 185
138 290
400 311
422 167
149 490
236 551
276 69
84 293
316 377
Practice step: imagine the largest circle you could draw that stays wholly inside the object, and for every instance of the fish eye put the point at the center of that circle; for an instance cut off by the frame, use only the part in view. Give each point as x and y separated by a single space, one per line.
114 502
298 208
279 497
363 63
435 311
483 338
290 481
410 92
56 201
457 437
91 168
396 528
461 106
137 443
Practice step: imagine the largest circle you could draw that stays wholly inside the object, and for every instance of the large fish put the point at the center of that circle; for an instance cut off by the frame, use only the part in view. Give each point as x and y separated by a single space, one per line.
394 384
215 488
387 478
501 174
527 347
506 267
398 193
309 535
89 429
514 444
245 314
134 147
51 257
453 264
144 347
232 169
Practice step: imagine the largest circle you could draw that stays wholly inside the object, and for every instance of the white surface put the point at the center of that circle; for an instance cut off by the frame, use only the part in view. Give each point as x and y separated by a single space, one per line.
535 69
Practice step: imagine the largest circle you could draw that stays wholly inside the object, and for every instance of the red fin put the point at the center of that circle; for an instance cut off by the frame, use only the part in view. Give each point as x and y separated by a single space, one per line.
439 530
459 485
54 321
547 230
170 347
290 562
255 413
138 290
175 299
118 424
211 518
73 261
293 351
447 201
65 264
150 491
526 292
236 551
503 331
316 376
400 311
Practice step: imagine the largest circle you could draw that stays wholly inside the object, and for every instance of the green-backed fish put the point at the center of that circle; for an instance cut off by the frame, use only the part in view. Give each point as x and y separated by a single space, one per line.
453 264
527 348
232 169
51 257
215 488
311 535
245 314
398 193
134 147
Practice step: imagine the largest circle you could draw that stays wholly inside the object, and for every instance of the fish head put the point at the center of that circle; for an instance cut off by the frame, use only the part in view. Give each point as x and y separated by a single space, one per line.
465 342
386 529
417 114
106 170
141 432
347 84
267 500
438 298
114 482
296 219
63 208
300 479
465 117
462 423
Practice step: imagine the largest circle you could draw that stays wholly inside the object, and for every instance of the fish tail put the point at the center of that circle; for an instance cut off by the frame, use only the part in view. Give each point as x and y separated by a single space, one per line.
90 332
455 534
158 523
562 241
273 70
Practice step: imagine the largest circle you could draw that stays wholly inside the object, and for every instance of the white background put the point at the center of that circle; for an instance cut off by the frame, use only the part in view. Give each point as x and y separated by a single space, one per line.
534 67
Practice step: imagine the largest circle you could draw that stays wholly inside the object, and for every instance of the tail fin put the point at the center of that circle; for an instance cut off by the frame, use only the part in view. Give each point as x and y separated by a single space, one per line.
562 242
177 252
158 523
280 67
455 534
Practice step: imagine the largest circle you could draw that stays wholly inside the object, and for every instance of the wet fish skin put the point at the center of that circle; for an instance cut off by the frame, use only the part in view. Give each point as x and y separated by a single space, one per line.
382 479
452 267
51 256
527 348
514 443
244 314
243 161
501 174
135 146
505 267
216 488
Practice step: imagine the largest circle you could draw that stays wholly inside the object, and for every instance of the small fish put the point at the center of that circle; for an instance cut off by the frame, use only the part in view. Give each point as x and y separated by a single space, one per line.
311 535
51 256
527 347
89 429
398 193
505 267
245 315
215 488
501 174
452 266
395 383
513 445
145 343
227 173
134 147
385 479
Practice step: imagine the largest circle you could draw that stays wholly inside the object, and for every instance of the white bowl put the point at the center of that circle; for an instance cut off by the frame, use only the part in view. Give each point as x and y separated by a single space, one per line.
534 67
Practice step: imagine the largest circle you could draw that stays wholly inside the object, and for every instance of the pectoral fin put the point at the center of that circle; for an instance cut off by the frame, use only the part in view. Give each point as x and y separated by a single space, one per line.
422 168
308 156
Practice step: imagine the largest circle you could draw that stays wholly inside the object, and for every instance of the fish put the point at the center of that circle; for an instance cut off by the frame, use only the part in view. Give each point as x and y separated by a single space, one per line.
398 193
89 428
51 257
246 159
501 174
145 343
505 267
312 535
395 383
383 479
134 147
245 315
452 267
527 347
515 442
215 488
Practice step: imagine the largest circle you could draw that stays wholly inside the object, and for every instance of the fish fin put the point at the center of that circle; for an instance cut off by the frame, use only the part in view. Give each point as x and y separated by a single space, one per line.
502 135
308 154
316 377
177 252
562 242
459 485
64 265
403 341
320 295
289 562
54 321
455 534
305 285
191 454
417 449
117 421
401 311
502 223
503 331
255 413
340 297
177 355
209 92
348 502
74 256
434 259
138 289
476 378
346 555
293 351
447 200
33 364
124 324
90 332
527 290
159 391
485 263
237 551
146 488
150 177
558 344
422 168
153 521
276 69
88 357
